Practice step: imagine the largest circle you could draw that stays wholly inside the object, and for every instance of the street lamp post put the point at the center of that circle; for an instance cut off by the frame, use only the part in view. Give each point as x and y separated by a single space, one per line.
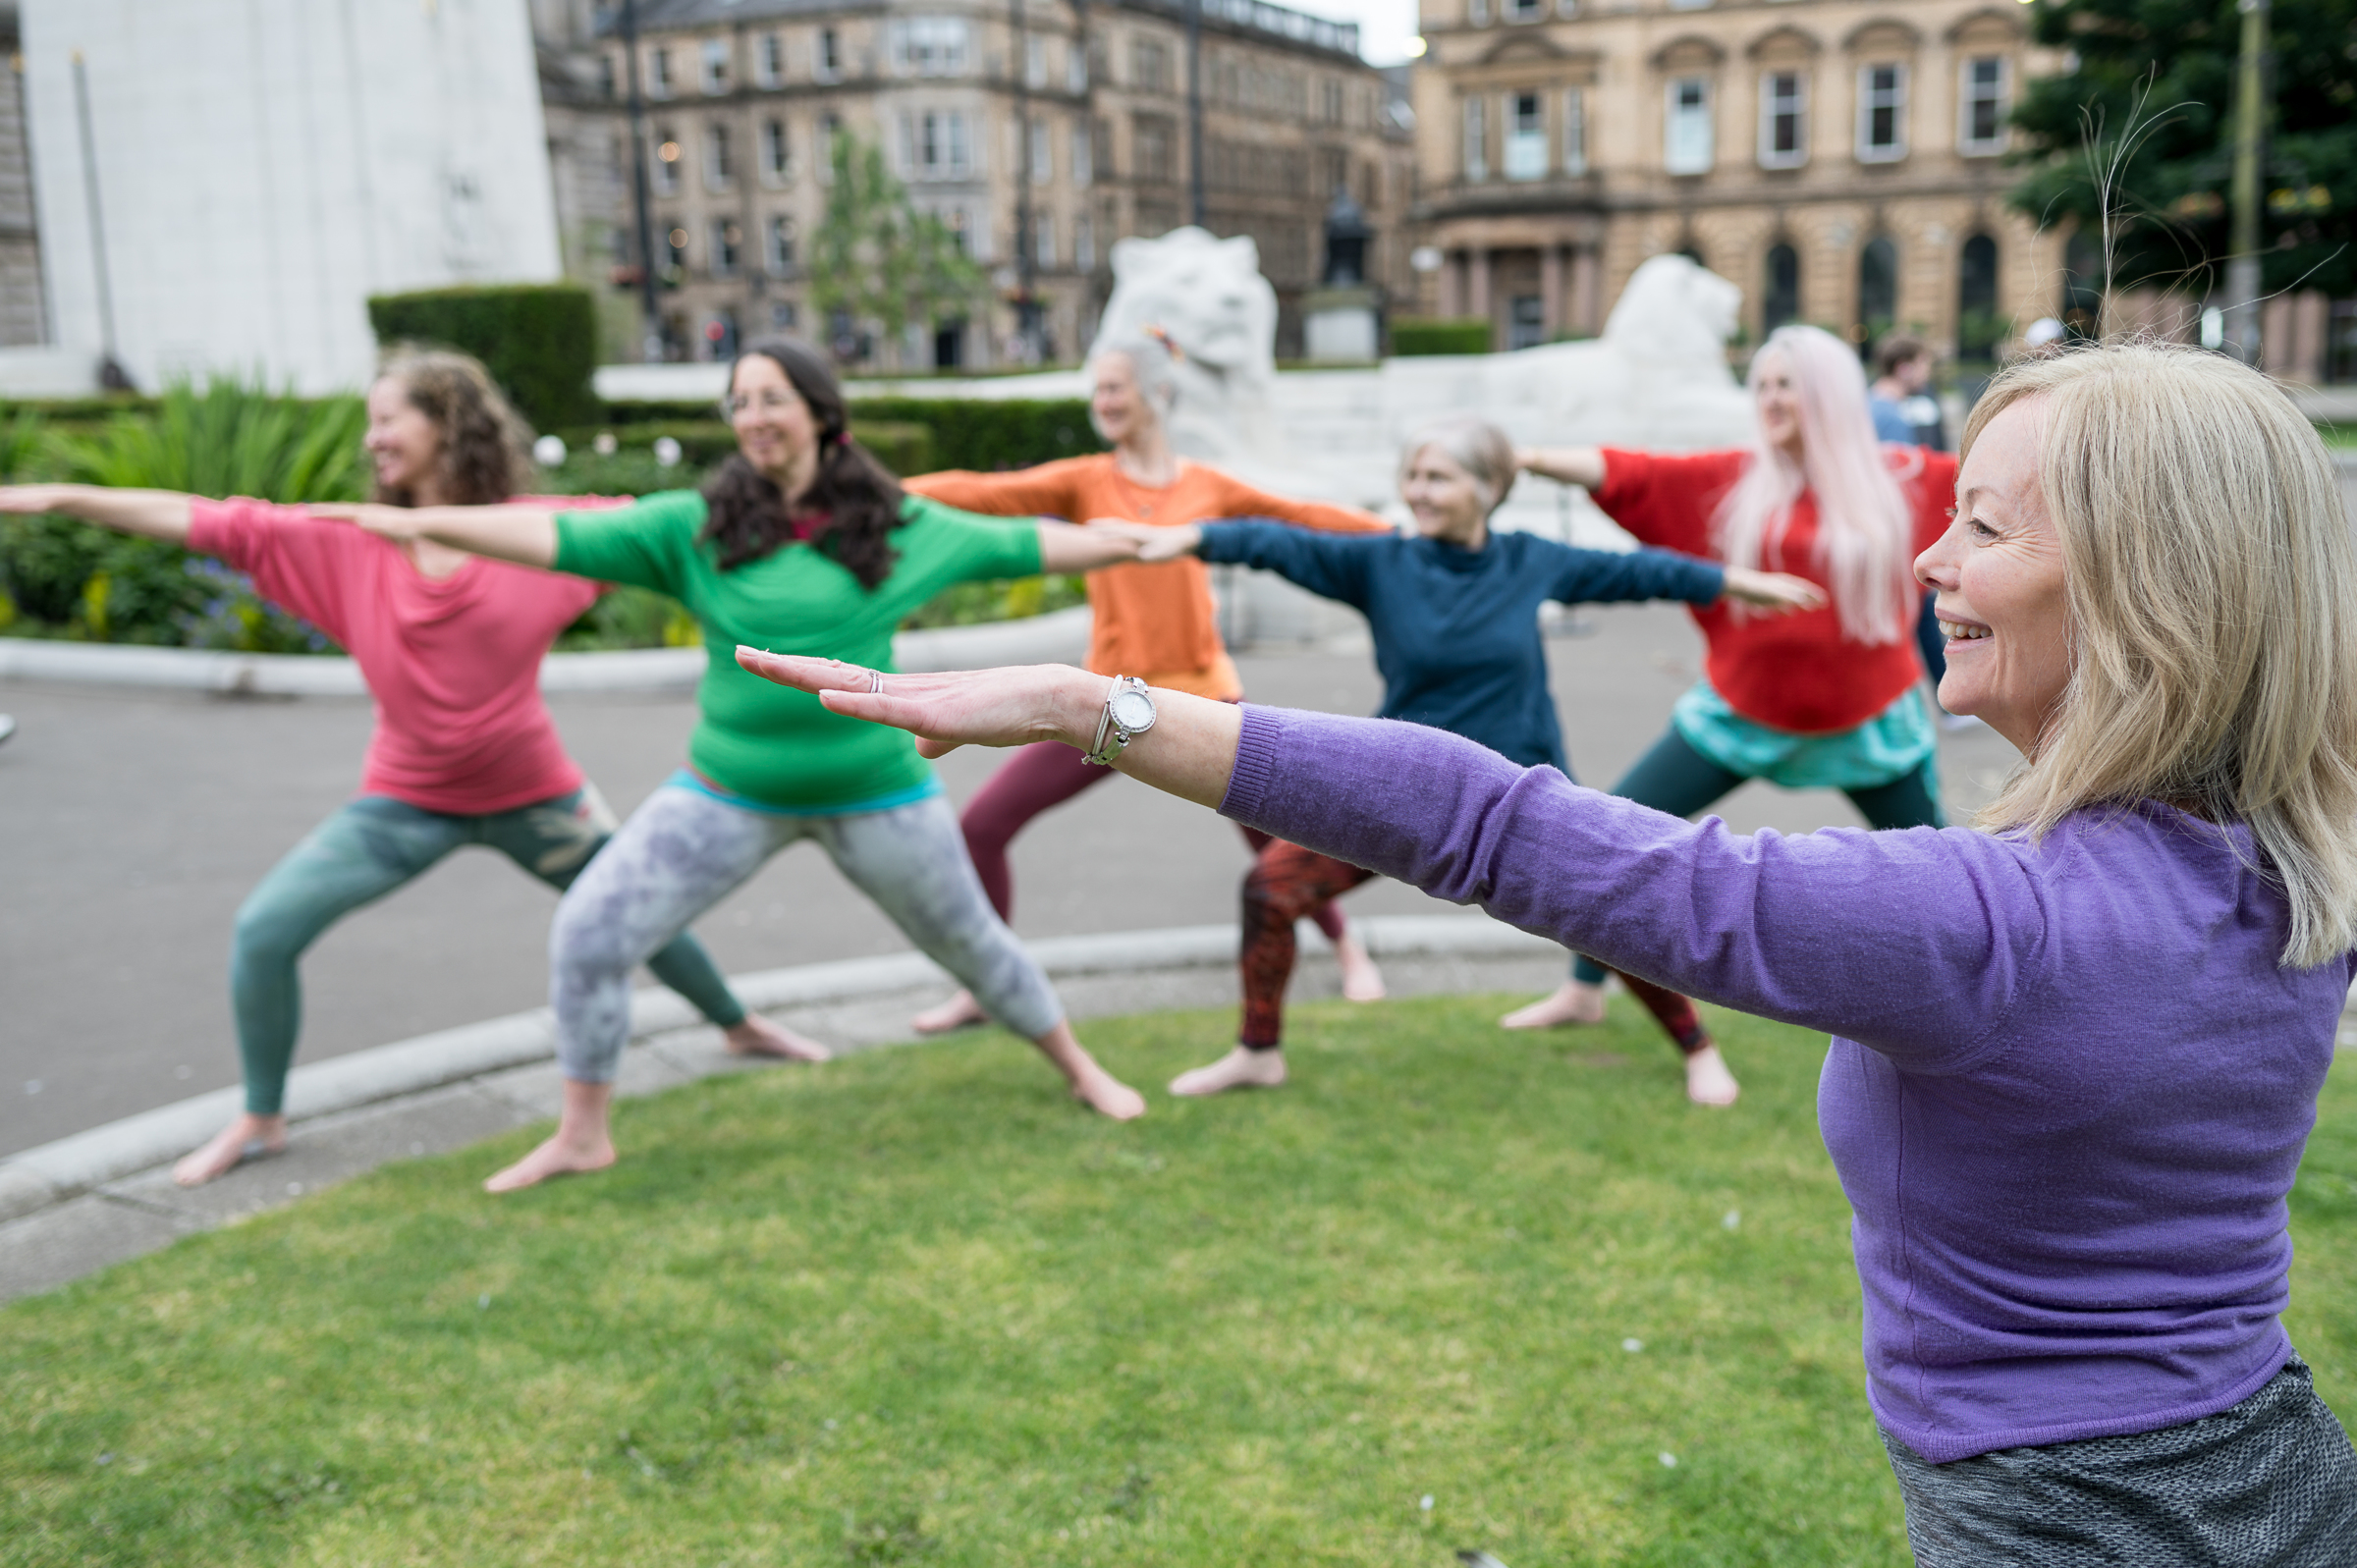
1194 112
2250 142
651 345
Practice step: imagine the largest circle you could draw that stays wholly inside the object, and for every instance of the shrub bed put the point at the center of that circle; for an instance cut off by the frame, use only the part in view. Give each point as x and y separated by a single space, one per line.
1423 335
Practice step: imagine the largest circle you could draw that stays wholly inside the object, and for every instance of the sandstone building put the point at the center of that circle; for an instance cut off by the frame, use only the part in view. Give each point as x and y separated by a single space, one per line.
1041 130
1841 160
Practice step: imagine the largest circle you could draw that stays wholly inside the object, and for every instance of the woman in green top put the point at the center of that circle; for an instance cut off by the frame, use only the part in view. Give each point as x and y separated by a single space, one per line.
802 543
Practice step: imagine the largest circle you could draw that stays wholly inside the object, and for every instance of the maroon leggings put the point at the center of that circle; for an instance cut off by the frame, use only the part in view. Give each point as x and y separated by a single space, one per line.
1288 881
1046 775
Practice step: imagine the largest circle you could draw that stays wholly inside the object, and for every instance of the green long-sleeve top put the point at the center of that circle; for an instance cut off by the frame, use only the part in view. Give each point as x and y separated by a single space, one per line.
760 740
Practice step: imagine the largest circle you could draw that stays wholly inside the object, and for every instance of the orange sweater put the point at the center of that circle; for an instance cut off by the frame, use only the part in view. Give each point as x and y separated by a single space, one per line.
1154 621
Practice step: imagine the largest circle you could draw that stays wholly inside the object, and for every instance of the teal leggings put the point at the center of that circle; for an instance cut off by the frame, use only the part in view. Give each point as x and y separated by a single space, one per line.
1675 777
370 847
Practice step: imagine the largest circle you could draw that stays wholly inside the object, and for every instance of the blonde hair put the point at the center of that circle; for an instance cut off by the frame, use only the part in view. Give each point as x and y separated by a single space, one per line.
2211 585
1864 526
1476 446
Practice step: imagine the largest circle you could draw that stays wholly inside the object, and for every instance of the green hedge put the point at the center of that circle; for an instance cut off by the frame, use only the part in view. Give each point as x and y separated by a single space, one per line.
987 433
539 341
1415 334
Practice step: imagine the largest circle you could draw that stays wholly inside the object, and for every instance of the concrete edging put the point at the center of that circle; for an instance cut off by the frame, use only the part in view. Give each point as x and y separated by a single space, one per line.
1057 637
52 1173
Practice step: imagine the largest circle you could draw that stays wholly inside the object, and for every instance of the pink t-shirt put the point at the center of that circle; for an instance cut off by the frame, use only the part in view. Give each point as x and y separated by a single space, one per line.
453 661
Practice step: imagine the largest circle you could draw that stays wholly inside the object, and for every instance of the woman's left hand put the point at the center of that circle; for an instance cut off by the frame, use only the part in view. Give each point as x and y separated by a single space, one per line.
1012 707
400 523
1779 591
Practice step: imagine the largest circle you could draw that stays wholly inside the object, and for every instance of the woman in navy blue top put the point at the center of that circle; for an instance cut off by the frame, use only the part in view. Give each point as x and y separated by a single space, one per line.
1455 611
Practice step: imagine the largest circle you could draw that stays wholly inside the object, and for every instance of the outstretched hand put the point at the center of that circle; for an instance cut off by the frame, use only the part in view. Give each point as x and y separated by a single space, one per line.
1011 706
29 501
1154 544
399 523
1780 592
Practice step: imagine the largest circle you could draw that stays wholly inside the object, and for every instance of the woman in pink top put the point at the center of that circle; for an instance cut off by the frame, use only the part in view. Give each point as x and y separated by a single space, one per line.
464 751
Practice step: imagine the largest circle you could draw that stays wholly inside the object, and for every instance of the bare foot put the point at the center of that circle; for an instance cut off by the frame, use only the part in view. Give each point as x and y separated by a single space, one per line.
1361 979
1240 1068
249 1137
960 1011
1708 1081
558 1157
765 1037
1103 1093
1573 1002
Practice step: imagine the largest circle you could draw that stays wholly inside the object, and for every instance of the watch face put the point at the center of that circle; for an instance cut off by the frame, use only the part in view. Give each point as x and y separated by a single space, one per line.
1132 710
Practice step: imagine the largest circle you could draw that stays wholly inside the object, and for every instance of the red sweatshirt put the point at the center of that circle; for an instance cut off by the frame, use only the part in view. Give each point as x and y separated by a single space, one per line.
1795 672
453 661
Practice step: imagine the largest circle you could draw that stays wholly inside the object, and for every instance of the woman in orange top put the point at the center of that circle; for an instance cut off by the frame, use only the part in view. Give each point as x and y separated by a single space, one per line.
1154 621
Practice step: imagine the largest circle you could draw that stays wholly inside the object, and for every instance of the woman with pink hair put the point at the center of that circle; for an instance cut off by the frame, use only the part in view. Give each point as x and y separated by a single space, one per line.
1822 700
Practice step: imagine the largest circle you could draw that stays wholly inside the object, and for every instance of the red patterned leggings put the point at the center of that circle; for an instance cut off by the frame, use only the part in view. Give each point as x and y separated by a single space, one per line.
1289 882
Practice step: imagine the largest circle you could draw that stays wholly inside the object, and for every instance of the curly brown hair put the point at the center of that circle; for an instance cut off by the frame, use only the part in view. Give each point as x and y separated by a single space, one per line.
485 447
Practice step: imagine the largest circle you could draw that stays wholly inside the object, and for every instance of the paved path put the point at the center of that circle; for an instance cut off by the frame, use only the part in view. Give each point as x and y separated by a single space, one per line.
132 824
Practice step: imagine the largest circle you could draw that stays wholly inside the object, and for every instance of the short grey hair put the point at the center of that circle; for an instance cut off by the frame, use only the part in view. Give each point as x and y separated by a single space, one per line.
1476 446
1153 364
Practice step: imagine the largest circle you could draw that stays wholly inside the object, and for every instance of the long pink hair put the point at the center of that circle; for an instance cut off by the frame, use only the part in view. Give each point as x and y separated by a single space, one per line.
1863 520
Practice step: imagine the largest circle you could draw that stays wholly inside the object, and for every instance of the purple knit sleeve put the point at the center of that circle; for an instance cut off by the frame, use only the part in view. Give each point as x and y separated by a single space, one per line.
1912 942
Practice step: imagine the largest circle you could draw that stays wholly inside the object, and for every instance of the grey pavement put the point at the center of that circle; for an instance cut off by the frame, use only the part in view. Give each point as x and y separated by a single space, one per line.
132 824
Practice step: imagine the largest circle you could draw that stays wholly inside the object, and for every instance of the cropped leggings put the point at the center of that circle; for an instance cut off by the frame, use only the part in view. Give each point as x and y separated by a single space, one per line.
1030 782
1675 777
684 850
367 850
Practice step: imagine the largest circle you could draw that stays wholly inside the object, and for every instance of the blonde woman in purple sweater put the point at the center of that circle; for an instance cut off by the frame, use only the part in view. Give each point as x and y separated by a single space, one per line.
2076 1049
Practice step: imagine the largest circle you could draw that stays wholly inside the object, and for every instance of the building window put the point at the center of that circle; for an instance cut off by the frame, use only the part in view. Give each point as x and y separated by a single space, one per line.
609 77
1882 114
1330 102
1525 321
667 161
779 243
826 61
1784 119
1477 139
1982 126
1043 153
777 161
830 127
1878 291
1151 136
1035 63
1689 5
783 317
937 144
1686 136
1575 131
718 168
1149 66
1477 13
1525 137
1076 67
658 73
1043 240
1779 300
1525 10
929 46
725 239
1083 164
1979 328
1084 244
675 245
716 66
769 60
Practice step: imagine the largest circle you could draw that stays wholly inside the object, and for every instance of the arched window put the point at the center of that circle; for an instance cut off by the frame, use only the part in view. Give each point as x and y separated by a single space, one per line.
1878 291
1978 327
1780 298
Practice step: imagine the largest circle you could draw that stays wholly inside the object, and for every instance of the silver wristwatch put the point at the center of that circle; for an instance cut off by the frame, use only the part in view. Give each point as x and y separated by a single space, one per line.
1128 713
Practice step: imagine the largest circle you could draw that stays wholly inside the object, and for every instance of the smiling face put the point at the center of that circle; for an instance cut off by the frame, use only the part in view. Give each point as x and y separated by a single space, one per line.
1119 407
1449 503
1776 399
775 428
2003 602
403 444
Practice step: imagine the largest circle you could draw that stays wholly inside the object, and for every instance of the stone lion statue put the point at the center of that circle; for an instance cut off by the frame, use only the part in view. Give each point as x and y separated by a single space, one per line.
1208 294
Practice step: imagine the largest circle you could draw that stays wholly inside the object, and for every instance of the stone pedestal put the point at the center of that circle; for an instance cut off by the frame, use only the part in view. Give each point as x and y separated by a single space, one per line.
1338 326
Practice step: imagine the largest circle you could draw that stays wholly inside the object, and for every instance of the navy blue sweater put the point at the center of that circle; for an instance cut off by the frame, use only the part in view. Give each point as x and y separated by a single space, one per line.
1457 631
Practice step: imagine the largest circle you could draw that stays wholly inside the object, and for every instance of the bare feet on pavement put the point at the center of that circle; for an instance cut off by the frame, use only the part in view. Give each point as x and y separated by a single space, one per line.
1361 979
1240 1068
1708 1080
757 1036
960 1011
249 1137
1574 1002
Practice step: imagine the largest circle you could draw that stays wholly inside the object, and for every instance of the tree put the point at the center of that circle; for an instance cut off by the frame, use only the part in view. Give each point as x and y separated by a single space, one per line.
2141 124
876 258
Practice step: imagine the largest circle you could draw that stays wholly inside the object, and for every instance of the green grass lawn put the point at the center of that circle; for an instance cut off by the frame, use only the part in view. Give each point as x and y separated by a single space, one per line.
911 1308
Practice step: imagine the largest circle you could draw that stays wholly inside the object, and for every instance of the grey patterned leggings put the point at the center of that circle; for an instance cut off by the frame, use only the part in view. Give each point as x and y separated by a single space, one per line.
683 851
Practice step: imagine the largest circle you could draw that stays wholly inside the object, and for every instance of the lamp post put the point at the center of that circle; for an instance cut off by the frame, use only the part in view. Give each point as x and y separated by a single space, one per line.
651 345
1027 256
1194 112
2250 140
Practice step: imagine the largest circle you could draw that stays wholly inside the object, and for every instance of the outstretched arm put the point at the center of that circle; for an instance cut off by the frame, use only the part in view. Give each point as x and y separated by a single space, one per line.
525 535
1065 548
1571 465
151 514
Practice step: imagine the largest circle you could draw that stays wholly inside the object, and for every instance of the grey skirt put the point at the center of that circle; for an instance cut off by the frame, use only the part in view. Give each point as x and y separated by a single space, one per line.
2270 1482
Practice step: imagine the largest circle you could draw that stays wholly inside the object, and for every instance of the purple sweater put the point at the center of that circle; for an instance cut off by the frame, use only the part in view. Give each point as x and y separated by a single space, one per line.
2068 1087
